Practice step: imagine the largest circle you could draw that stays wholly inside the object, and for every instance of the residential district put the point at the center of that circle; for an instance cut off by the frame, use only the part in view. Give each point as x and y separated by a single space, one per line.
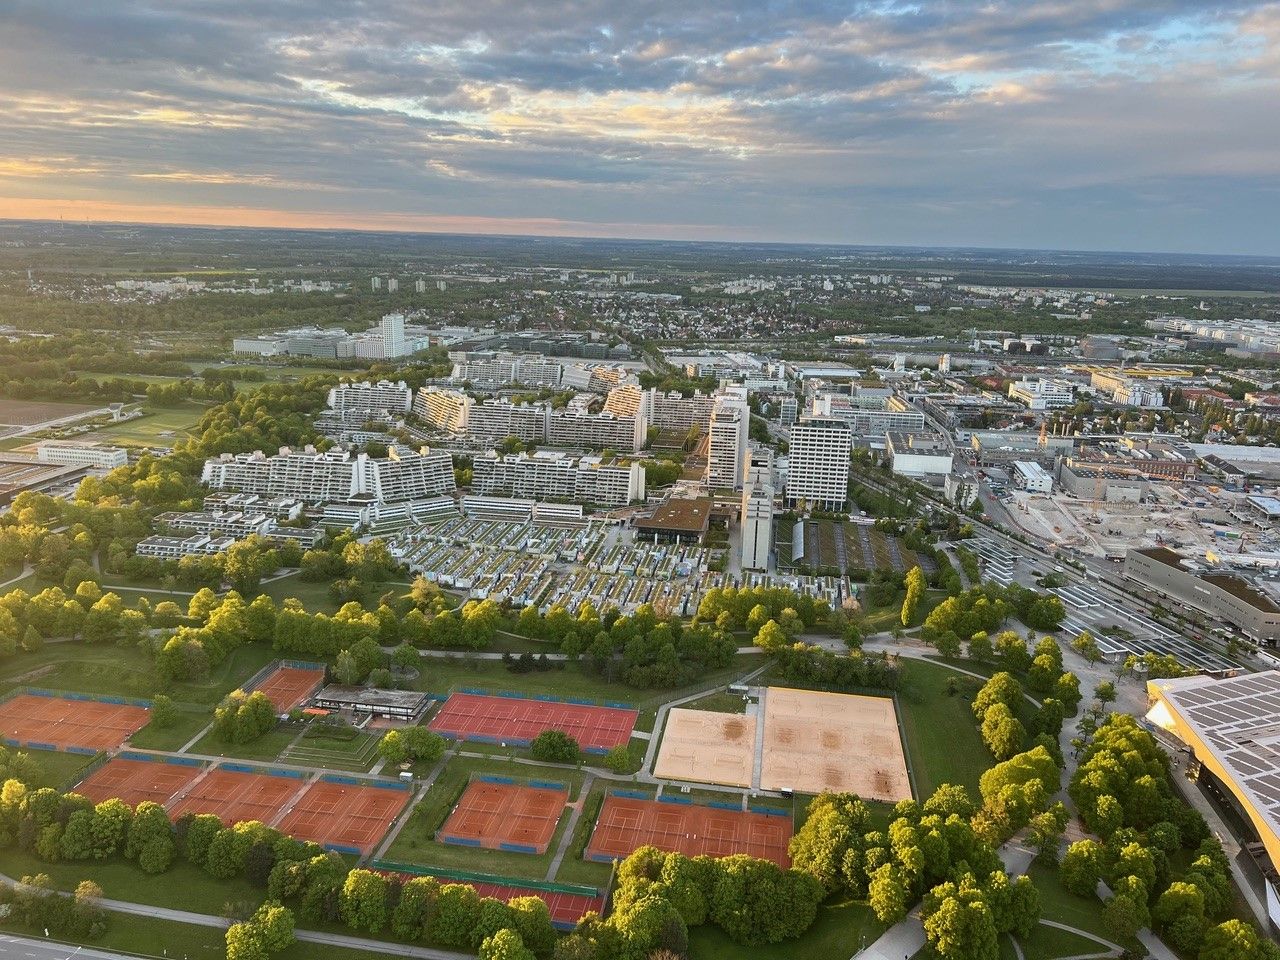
589 612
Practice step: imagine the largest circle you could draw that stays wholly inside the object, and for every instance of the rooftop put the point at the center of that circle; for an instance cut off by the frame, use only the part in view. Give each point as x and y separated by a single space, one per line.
683 516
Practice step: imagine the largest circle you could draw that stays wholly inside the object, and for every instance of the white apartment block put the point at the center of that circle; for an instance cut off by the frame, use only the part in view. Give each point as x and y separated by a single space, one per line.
446 409
547 475
335 475
756 517
528 369
502 419
919 456
372 398
673 411
1043 394
82 454
868 421
727 446
238 526
575 427
175 548
818 463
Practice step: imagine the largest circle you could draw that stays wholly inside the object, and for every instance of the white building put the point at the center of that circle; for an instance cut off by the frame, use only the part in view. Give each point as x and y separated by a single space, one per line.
87 454
867 421
728 431
500 419
922 457
1030 476
334 475
574 426
372 398
529 369
446 409
818 463
1043 394
548 475
756 518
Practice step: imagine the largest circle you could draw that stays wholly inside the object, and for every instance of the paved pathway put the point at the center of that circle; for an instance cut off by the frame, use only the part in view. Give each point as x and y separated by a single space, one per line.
394 832
566 838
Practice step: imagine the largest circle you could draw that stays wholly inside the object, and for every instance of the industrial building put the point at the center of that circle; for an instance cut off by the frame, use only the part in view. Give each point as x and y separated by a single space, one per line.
1030 476
1221 595
921 457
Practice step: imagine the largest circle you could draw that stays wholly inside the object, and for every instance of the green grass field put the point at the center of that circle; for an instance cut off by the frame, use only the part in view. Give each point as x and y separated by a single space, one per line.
943 742
159 426
58 770
416 845
125 671
355 755
267 747
189 723
839 932
151 937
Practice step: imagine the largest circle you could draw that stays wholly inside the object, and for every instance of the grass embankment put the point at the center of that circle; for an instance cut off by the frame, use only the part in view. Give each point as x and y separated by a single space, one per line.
841 929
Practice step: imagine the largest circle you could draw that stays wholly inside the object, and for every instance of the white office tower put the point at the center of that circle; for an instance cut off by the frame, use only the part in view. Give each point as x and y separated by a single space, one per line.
730 423
371 398
899 362
757 509
419 286
446 409
392 330
393 285
818 463
375 283
944 363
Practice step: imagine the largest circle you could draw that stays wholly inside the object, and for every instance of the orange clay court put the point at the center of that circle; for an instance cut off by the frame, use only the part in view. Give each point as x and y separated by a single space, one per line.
505 816
833 741
61 723
344 816
134 781
626 824
235 797
287 687
708 747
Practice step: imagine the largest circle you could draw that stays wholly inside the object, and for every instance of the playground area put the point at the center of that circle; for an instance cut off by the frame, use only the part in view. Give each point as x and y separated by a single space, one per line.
345 814
499 814
288 687
236 794
707 747
627 823
134 780
843 743
490 719
50 722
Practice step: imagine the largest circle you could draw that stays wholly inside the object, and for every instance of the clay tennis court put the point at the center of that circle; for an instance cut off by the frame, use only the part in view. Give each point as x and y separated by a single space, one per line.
134 781
707 747
59 723
626 824
833 741
287 687
471 716
344 816
236 796
505 816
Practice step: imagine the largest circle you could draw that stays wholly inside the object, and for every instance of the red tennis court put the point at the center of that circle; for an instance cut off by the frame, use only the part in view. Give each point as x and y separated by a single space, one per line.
470 716
286 687
236 796
134 781
59 723
626 824
344 816
566 908
505 816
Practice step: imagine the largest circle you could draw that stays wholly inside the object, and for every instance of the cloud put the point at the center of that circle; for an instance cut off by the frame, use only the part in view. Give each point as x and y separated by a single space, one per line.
872 120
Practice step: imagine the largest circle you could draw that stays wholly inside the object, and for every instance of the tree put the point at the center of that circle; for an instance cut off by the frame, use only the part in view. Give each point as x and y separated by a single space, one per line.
1085 645
888 894
364 901
392 748
961 929
1002 732
1082 867
1001 688
1105 692
275 925
244 942
1233 940
346 670
915 584
771 637
555 746
506 944
163 713
1122 917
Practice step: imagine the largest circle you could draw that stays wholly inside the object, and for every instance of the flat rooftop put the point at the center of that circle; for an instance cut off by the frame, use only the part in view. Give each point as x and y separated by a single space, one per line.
679 516
371 697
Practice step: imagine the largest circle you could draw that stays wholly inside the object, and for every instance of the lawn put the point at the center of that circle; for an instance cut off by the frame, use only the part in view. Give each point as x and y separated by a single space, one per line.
58 770
1060 904
416 845
573 869
182 887
188 724
267 747
126 671
943 742
1050 943
723 702
154 938
356 754
842 927
158 426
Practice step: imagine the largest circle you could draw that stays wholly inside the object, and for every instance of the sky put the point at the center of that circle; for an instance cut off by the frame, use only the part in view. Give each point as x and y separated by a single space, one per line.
1068 124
